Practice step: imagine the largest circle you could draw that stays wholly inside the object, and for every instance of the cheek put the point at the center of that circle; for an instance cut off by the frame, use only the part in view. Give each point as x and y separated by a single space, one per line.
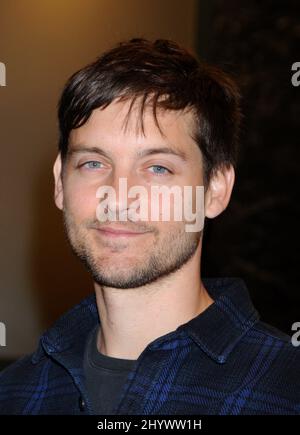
80 201
186 206
165 207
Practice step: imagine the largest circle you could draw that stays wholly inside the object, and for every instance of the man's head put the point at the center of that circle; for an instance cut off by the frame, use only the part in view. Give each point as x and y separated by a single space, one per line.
119 118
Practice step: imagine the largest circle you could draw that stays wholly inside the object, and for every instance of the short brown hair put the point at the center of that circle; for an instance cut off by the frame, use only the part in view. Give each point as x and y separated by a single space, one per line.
167 76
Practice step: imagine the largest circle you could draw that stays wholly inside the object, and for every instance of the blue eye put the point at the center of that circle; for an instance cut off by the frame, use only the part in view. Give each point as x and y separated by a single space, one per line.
161 170
93 164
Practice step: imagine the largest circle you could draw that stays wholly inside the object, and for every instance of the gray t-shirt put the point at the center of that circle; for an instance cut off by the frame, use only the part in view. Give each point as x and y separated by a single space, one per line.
104 375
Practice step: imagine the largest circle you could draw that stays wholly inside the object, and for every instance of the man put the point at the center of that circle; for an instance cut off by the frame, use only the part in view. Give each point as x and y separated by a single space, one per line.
155 338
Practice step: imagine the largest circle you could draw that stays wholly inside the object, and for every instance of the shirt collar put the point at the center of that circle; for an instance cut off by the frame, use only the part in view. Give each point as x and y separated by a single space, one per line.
69 333
217 330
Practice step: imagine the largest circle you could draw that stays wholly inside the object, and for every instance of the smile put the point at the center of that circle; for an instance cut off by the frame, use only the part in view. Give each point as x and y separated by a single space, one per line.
119 233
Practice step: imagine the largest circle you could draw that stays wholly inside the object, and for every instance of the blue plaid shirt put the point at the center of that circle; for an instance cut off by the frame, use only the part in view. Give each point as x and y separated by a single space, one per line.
224 361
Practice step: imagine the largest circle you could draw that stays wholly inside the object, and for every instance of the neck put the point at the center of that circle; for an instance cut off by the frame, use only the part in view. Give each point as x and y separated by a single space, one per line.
133 318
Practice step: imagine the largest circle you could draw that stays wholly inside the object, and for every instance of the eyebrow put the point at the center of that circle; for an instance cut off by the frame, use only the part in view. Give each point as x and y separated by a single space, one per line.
141 153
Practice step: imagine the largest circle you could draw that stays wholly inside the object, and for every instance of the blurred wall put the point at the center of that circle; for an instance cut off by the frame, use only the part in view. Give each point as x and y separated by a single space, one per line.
257 238
41 44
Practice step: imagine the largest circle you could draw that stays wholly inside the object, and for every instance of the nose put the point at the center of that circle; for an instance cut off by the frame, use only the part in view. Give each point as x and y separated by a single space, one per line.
117 204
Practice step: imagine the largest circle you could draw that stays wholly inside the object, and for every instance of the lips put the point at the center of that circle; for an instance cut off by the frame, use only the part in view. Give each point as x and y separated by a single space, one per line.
118 232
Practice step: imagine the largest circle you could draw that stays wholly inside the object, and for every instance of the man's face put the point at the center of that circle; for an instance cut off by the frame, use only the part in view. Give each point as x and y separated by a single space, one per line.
100 153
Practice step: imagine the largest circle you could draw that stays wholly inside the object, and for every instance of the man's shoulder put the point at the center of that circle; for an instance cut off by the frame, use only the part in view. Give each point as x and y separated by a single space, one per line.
275 349
267 333
18 381
18 374
41 374
30 386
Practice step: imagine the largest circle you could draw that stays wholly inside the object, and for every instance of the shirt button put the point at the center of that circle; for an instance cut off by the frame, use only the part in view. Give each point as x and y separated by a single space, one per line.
81 404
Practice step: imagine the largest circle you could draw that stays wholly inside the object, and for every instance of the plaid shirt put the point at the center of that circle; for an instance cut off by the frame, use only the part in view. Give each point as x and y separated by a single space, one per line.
224 361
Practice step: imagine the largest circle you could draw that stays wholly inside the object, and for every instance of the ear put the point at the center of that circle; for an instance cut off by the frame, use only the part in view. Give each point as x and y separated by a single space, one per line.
219 191
58 189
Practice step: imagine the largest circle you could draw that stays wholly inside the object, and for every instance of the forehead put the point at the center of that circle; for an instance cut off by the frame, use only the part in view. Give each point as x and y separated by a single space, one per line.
120 124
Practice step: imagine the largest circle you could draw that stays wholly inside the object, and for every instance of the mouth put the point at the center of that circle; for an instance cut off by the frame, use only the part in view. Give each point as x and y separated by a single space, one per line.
113 232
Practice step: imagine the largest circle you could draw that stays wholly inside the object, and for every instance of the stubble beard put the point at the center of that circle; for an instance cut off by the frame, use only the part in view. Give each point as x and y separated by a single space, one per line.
168 254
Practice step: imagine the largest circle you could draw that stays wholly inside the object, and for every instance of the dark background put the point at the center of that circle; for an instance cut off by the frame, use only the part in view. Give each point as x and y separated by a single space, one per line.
257 238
